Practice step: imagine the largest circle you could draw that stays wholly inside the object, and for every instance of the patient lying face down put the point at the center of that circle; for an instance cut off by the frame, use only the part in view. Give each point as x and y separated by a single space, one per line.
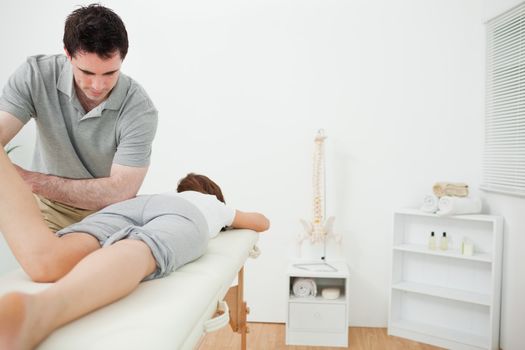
142 238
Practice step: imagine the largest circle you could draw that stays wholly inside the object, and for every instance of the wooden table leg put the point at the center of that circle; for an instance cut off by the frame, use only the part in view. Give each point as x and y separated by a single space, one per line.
238 309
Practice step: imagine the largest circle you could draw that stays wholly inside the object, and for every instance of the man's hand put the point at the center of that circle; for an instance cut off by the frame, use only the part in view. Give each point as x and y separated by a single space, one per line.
33 179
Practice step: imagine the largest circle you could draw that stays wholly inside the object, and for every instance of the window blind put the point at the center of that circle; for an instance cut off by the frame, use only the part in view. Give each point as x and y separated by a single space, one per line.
504 153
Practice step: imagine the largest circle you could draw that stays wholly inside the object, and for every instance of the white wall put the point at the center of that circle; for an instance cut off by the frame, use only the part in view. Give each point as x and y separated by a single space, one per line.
242 87
512 208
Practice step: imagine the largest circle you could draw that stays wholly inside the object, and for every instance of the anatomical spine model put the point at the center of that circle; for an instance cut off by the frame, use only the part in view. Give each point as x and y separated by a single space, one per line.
319 230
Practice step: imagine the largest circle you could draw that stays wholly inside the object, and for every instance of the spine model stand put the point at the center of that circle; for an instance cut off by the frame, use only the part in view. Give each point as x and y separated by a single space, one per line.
319 230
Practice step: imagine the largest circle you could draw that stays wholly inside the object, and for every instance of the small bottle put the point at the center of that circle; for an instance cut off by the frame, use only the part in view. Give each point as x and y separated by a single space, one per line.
443 244
432 241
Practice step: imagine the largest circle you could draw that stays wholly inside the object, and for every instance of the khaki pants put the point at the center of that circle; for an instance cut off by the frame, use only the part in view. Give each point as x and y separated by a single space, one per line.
59 215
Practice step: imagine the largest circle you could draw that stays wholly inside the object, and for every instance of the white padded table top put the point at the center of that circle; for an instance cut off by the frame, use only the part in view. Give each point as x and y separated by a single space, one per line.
167 313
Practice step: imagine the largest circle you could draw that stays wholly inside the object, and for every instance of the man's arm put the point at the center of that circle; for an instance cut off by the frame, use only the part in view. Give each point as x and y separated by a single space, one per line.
253 221
123 182
9 127
93 194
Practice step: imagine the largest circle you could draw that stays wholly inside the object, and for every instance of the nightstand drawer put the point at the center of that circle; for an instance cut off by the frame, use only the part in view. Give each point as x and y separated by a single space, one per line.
317 317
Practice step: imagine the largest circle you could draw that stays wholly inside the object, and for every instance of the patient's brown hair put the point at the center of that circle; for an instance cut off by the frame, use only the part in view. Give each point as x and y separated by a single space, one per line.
200 183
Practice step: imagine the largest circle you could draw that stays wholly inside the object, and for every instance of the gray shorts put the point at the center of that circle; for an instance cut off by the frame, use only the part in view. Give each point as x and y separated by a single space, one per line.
173 228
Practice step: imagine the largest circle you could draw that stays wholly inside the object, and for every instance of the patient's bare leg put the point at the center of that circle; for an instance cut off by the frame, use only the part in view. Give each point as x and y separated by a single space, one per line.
101 278
44 256
12 318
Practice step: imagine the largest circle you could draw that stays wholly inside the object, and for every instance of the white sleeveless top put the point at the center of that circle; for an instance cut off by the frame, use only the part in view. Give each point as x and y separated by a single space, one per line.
216 213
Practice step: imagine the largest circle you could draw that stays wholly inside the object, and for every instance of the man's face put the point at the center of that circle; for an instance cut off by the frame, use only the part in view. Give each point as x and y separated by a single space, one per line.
95 76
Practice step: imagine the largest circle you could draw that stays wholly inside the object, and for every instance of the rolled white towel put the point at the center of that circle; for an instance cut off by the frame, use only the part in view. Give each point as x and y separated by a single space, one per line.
459 205
304 287
430 204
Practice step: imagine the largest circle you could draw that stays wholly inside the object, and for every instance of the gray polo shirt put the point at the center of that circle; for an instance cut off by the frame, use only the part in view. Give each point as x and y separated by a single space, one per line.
70 142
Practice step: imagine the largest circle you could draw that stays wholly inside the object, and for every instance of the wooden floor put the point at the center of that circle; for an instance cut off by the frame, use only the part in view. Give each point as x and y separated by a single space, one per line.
270 336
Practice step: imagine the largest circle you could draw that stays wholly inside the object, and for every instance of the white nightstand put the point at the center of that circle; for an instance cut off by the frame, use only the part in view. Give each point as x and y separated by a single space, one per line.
316 320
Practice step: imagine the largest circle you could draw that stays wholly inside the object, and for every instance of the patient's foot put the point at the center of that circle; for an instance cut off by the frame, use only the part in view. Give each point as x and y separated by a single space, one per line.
14 322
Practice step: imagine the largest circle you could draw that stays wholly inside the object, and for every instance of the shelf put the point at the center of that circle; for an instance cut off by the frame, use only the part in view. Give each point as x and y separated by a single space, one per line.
317 299
441 332
443 297
446 293
419 249
293 271
470 217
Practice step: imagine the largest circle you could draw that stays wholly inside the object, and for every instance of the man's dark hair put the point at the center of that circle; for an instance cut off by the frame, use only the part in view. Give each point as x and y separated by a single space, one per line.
95 29
200 183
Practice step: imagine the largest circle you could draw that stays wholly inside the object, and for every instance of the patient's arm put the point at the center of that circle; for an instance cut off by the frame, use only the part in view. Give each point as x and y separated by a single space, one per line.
253 221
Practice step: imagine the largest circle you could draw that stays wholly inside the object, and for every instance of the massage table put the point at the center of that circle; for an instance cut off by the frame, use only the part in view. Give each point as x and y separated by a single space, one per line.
170 313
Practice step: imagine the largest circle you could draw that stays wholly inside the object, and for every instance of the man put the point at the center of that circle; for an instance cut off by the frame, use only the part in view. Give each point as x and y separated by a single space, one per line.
95 125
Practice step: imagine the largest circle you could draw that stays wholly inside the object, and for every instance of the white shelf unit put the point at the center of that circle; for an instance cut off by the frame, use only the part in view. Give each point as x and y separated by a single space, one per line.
445 298
316 320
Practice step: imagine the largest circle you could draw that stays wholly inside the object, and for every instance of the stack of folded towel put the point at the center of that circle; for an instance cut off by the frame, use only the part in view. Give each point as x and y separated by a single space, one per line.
441 189
450 199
